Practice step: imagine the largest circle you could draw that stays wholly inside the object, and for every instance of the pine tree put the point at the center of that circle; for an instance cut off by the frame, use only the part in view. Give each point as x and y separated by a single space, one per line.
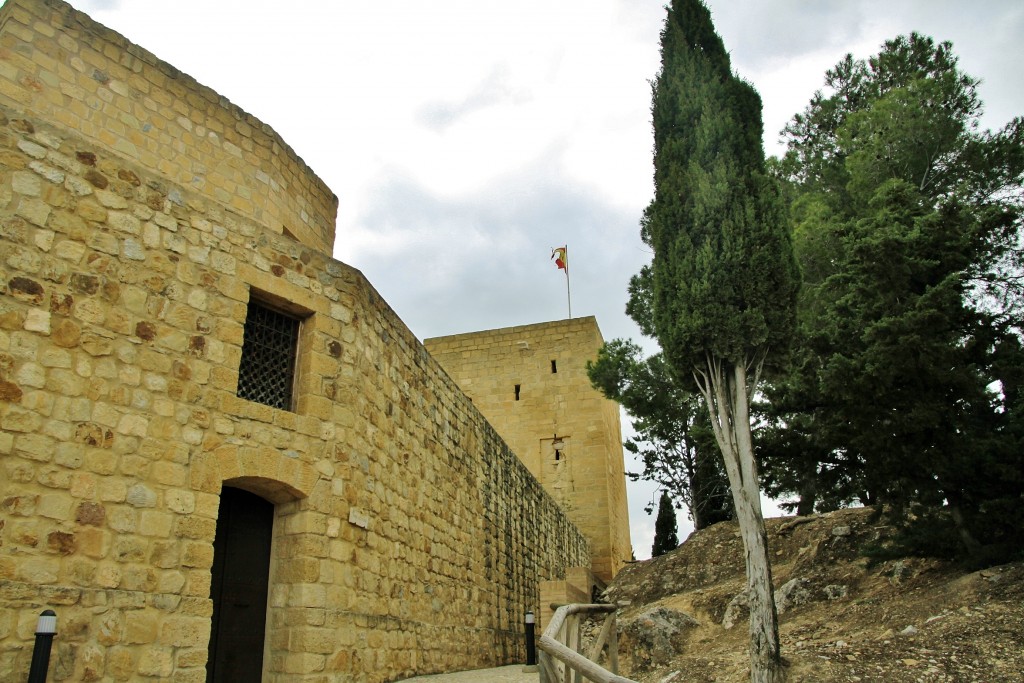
665 537
724 277
908 230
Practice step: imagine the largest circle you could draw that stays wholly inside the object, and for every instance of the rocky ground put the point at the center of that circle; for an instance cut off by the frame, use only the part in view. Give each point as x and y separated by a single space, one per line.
902 620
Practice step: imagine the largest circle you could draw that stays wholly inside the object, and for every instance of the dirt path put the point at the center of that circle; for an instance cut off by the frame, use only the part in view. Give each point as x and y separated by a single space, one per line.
504 674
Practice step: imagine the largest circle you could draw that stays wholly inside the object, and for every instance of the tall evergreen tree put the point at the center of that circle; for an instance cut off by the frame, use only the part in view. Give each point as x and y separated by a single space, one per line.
724 278
665 537
908 223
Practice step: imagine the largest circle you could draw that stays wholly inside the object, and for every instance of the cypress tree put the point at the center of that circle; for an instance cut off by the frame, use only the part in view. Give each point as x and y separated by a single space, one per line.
665 537
724 277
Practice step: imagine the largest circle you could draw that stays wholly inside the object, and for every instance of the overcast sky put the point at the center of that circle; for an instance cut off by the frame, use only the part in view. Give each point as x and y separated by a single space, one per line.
466 138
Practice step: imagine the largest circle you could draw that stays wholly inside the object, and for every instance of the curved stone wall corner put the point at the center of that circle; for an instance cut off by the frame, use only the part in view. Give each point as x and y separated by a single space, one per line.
61 65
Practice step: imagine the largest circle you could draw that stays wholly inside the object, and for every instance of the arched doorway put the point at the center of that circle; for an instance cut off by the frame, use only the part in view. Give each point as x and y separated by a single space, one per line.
240 577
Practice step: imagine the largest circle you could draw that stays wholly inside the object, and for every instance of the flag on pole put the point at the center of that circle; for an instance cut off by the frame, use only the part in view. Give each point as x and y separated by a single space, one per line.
561 256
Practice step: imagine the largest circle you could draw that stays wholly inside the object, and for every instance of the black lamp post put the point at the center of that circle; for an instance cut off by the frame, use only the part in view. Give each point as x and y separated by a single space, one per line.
531 646
46 628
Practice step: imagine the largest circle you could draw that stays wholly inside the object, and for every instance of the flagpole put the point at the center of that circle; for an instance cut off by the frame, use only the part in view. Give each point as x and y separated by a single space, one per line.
568 295
561 257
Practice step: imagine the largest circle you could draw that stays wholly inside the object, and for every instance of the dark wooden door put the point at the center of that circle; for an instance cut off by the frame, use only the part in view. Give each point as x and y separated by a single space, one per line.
240 575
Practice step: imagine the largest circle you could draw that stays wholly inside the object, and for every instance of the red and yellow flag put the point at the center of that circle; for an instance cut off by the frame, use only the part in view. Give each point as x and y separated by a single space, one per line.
561 256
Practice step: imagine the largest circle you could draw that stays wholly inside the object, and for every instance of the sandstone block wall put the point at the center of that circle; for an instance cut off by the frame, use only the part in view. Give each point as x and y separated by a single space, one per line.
58 64
408 538
531 383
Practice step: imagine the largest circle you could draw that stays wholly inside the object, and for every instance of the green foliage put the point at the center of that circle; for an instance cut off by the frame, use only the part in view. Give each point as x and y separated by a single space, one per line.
926 532
673 439
723 280
871 106
931 532
909 113
907 229
665 537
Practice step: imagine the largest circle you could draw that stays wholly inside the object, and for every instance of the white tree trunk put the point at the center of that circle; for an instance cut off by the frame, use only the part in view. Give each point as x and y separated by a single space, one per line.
727 393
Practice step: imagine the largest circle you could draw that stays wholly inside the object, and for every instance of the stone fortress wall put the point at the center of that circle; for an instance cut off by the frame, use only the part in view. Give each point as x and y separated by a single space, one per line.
139 214
531 383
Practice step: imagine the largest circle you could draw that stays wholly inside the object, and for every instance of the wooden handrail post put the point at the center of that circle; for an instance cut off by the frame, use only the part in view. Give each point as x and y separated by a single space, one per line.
544 667
613 645
575 635
602 639
563 668
562 640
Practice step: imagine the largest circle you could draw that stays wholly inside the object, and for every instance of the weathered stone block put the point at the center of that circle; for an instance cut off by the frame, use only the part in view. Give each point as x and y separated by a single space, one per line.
185 631
156 662
155 523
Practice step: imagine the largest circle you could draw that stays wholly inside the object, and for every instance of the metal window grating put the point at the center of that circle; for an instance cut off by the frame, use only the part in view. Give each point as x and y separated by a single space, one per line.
267 369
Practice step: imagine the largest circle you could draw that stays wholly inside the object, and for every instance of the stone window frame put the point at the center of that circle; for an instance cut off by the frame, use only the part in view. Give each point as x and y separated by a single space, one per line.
306 321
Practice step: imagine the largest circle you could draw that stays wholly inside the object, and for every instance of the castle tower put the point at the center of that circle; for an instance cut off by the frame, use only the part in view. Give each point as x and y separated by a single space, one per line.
531 383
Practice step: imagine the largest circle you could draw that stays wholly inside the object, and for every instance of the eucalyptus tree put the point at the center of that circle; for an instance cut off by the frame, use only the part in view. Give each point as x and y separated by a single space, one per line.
724 280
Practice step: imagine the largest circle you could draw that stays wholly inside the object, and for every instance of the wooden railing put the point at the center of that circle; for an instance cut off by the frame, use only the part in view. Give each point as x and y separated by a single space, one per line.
559 659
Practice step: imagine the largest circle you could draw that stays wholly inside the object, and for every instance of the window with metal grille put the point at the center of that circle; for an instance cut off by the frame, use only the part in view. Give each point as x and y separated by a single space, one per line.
267 370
